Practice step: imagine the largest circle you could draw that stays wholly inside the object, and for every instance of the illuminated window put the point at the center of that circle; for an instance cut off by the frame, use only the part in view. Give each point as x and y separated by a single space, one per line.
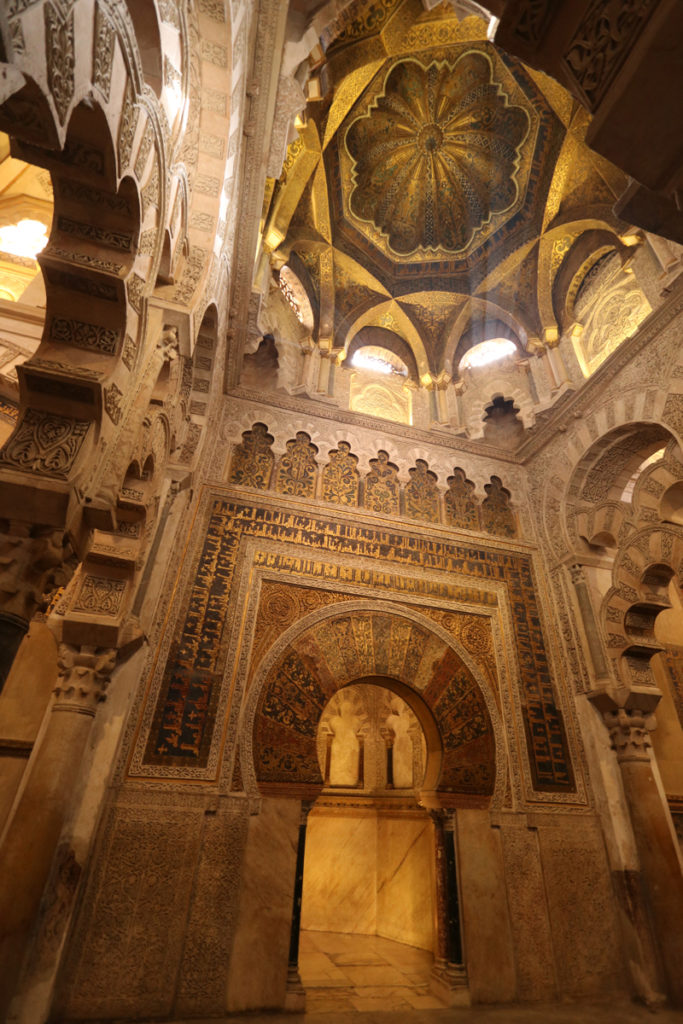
488 352
381 360
26 238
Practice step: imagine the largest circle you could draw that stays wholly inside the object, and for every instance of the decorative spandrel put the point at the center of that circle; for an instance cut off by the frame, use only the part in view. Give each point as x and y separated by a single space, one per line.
422 494
341 479
462 508
496 515
436 155
252 460
382 489
297 468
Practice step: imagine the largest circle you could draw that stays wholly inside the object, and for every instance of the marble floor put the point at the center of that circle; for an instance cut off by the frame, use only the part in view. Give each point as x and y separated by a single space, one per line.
343 973
358 979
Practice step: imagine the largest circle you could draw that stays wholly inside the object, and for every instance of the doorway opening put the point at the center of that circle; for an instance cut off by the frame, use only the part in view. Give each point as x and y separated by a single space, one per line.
368 914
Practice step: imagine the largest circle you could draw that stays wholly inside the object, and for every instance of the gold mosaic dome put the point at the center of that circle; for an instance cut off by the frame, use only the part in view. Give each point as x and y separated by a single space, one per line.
436 154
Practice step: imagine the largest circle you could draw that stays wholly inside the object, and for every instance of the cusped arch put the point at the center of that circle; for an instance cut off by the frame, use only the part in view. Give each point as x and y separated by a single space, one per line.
642 571
376 642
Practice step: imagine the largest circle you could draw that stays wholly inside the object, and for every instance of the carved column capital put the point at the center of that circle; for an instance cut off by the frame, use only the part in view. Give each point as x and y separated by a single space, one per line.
577 574
629 734
629 718
84 675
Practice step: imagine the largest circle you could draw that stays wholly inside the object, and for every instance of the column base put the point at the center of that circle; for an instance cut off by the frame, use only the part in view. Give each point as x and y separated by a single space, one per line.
295 996
448 982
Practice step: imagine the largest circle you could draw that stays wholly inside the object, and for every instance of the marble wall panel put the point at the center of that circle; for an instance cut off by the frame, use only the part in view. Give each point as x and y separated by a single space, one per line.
528 914
581 907
258 965
213 913
124 959
405 880
488 939
340 873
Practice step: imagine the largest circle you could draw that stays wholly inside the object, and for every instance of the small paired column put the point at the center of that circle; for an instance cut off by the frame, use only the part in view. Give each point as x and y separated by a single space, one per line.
449 978
628 716
295 997
388 737
33 833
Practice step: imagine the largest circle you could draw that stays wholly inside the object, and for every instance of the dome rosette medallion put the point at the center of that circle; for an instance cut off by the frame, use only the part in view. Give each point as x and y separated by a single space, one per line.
439 158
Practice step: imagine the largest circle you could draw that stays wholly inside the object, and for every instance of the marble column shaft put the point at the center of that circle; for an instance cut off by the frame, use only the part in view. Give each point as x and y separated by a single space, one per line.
449 940
293 971
659 859
33 833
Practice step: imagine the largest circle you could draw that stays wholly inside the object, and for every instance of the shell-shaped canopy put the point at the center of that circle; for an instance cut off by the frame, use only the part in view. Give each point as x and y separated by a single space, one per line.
437 154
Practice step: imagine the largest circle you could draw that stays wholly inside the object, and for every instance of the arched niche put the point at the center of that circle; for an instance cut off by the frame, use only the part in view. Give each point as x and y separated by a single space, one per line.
310 664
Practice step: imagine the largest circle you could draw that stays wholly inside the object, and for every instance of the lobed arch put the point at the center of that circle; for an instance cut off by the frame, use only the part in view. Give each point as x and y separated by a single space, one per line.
631 535
271 728
109 142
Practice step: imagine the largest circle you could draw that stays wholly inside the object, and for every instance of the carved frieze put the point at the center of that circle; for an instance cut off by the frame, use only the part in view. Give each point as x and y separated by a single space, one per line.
100 595
68 331
59 41
45 443
103 52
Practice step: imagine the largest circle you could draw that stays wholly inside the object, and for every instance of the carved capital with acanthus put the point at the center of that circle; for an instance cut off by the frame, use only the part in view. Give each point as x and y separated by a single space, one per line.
84 675
629 718
629 734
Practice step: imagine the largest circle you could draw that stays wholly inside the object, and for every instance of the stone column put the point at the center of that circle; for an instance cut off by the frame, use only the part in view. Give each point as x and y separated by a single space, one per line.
628 715
295 997
324 372
440 387
388 737
329 740
33 560
449 979
590 626
558 370
303 384
33 832
361 761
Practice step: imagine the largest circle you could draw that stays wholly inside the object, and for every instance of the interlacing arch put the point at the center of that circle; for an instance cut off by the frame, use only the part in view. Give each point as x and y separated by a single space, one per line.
625 506
118 381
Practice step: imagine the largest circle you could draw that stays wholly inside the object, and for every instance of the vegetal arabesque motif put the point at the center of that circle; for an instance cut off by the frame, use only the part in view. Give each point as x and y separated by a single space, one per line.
437 154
